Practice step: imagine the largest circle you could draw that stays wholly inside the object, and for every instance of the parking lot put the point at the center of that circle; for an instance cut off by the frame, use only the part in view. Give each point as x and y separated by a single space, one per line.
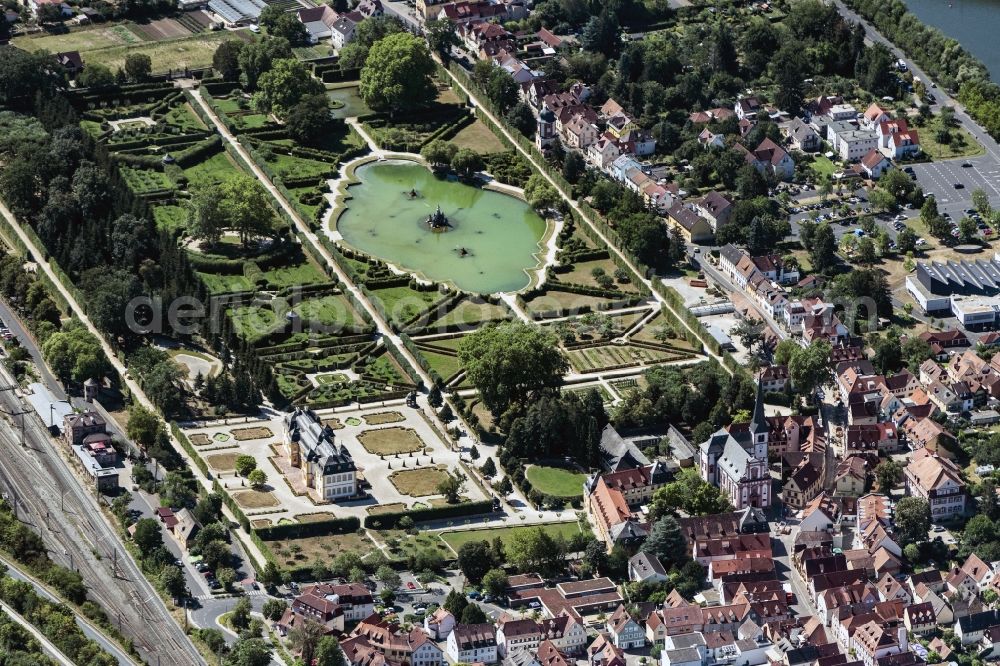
940 179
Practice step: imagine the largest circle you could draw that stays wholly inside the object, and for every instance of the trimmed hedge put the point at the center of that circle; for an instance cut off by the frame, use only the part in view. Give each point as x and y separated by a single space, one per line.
384 521
310 529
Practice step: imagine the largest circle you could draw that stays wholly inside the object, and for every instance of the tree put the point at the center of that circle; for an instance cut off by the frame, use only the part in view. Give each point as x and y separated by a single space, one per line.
822 255
888 473
495 582
138 67
981 202
74 353
143 426
455 603
95 75
441 36
573 167
273 609
489 468
967 229
452 487
536 550
866 255
249 652
283 86
750 332
601 33
522 119
309 120
147 535
328 652
475 559
689 493
248 208
304 637
666 541
240 616
226 59
511 364
466 162
540 195
906 240
809 367
257 479
397 74
913 519
439 152
388 577
255 58
245 464
473 614
280 23
226 577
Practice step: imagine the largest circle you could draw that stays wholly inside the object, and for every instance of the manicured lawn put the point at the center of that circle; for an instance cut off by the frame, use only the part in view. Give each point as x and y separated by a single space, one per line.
224 284
216 169
182 116
390 441
170 217
457 539
418 482
290 276
479 138
222 461
289 166
564 301
582 273
823 166
473 311
403 303
445 365
383 417
556 481
962 144
331 310
591 359
254 499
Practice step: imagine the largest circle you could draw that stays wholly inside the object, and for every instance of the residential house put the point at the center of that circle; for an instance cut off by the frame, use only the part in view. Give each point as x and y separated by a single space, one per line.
851 477
971 628
897 140
801 136
472 643
318 22
747 107
919 618
646 567
821 514
874 641
875 115
937 480
803 485
694 227
851 141
714 207
625 632
874 164
514 635
769 158
439 624
342 31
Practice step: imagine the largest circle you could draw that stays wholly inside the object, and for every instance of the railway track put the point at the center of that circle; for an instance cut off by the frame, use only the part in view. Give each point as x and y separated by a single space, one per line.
50 499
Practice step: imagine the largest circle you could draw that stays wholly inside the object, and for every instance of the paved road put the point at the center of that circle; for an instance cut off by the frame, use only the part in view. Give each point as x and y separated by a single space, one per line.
89 630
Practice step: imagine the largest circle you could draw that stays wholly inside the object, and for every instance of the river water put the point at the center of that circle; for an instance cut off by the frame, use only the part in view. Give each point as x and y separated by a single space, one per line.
974 23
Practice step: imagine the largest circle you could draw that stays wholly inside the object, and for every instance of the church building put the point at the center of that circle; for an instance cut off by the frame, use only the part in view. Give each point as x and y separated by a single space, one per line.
735 460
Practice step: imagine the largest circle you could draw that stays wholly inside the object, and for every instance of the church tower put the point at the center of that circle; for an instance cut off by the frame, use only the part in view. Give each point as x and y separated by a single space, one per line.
546 131
759 428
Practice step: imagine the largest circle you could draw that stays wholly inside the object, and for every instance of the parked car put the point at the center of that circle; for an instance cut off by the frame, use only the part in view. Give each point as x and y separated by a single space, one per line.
958 186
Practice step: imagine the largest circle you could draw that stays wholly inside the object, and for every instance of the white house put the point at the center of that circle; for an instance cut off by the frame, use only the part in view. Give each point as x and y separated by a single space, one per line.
625 632
471 643
439 624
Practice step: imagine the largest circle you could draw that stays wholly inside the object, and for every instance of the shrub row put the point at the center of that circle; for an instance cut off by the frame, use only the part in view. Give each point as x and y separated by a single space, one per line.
310 529
385 521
